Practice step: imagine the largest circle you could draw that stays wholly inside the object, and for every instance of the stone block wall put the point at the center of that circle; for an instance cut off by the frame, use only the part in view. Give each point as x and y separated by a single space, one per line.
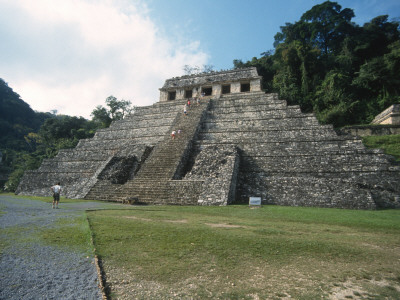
183 192
288 158
198 82
391 115
368 130
217 167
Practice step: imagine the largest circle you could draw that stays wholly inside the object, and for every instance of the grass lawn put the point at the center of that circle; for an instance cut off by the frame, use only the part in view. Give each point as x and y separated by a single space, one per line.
71 231
389 143
234 252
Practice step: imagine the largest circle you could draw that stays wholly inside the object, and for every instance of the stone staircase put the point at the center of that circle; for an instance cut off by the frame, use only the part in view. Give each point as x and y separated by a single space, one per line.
77 168
152 183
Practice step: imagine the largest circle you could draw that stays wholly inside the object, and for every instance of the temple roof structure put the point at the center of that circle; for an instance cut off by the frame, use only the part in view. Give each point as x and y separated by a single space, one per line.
211 77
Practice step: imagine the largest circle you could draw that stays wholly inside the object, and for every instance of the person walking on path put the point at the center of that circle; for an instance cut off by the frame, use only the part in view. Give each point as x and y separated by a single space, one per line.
56 189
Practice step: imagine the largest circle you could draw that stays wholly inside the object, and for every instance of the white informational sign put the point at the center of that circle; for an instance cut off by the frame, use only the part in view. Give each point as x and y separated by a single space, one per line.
254 201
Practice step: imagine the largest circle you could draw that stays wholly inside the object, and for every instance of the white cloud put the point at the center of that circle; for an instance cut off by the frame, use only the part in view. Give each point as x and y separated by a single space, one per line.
70 55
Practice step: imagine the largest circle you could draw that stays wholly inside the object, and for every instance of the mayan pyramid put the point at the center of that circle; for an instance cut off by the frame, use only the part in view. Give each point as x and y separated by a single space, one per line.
237 142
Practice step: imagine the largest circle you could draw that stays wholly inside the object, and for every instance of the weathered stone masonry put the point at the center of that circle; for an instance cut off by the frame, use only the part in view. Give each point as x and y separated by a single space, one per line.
239 142
213 84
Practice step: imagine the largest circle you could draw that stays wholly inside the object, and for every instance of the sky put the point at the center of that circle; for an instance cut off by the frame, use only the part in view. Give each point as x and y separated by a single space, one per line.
70 55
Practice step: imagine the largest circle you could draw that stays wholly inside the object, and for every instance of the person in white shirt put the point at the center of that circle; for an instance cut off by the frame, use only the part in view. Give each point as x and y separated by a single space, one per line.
56 189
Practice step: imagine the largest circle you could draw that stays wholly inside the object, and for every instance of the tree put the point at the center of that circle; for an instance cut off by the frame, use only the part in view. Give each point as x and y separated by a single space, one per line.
58 132
298 72
334 103
66 127
378 82
328 25
117 110
16 119
189 70
376 37
305 52
265 68
343 72
101 115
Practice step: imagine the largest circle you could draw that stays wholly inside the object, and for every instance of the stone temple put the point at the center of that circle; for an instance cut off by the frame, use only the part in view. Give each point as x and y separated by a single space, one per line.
238 142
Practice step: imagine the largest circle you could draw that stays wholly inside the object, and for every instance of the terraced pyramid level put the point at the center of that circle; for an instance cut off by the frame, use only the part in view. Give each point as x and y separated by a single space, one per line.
236 143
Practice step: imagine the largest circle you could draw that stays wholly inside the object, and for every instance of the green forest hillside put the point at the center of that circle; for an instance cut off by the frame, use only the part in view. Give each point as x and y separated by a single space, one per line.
327 64
343 72
27 136
17 119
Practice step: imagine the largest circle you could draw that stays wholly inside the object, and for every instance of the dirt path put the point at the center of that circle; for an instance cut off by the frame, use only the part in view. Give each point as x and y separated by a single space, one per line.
32 270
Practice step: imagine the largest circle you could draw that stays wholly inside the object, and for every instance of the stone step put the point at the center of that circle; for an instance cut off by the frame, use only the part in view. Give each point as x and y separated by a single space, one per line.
262 123
249 104
287 148
150 181
116 144
289 112
127 133
234 96
240 137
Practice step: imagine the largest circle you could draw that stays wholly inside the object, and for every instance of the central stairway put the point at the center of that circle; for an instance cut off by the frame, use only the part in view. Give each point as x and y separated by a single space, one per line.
166 162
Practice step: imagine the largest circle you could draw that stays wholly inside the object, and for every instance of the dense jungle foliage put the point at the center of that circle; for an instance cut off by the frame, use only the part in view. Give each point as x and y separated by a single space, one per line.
327 64
27 137
343 72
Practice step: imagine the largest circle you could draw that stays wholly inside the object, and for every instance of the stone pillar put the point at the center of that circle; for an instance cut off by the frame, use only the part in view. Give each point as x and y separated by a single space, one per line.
196 92
255 85
216 90
163 96
180 94
235 87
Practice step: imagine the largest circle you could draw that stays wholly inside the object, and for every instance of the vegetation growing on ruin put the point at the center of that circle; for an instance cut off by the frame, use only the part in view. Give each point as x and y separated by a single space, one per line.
389 143
241 253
